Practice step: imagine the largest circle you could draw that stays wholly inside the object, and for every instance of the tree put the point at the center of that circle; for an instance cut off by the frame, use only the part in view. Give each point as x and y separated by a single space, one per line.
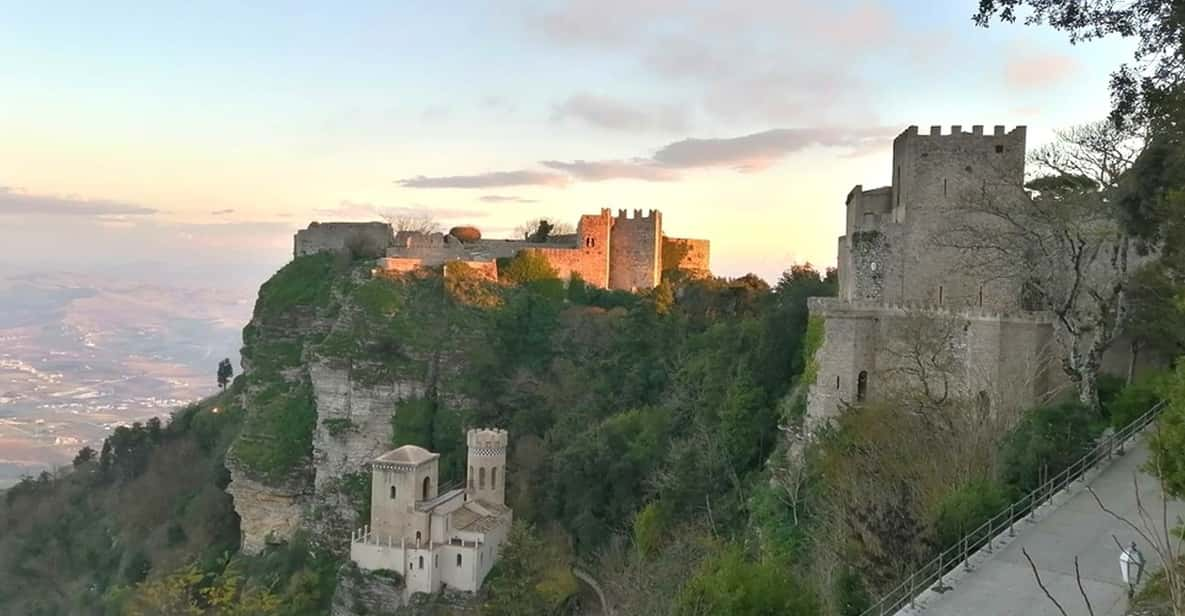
729 584
528 266
86 454
1142 92
416 223
541 229
225 372
1061 242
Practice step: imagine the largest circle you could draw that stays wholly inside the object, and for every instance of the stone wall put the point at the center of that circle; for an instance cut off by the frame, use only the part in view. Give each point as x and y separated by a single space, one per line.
359 239
1010 357
635 250
595 240
692 256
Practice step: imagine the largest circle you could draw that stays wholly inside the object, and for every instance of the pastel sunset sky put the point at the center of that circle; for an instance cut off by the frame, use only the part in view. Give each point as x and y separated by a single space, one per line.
133 132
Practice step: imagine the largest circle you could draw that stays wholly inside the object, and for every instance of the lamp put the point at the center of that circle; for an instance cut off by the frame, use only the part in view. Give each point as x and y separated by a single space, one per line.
1131 565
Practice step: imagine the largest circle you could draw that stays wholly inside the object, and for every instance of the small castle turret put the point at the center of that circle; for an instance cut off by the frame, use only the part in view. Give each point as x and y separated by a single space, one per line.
487 464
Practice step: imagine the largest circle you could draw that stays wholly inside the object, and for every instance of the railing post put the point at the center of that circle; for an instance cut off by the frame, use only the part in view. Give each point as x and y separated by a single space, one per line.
912 594
966 563
1011 519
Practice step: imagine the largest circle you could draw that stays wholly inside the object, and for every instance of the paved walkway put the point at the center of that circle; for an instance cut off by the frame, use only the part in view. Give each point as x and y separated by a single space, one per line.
1072 524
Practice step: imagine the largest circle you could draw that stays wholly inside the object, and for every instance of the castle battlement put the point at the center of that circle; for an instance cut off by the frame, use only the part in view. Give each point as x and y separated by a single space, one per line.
487 438
637 215
956 130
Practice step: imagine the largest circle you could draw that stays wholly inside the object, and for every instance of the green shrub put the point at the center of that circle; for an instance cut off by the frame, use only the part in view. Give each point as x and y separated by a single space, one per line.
966 508
851 595
1045 442
1168 440
1135 399
305 280
730 584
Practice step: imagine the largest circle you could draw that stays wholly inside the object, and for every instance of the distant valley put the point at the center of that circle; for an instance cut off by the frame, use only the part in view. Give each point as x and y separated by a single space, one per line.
80 354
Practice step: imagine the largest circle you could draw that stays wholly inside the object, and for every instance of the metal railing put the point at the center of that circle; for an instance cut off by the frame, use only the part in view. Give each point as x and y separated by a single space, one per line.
933 572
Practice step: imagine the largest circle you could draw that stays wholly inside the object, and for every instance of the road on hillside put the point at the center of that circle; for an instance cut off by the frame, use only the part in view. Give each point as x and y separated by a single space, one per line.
1004 585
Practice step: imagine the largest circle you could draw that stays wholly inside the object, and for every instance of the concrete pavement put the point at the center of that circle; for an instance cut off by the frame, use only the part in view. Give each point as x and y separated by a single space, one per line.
1071 524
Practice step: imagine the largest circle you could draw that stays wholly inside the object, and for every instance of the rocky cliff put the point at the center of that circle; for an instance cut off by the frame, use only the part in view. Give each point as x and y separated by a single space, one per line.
330 356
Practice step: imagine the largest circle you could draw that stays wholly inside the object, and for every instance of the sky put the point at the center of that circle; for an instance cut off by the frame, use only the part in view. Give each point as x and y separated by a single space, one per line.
193 139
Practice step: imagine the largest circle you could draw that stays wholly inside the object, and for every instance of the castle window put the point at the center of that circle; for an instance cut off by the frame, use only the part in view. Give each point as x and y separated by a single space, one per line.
421 562
837 381
861 386
458 560
418 538
481 478
980 295
392 491
427 487
967 168
470 477
436 561
494 477
943 187
999 149
939 294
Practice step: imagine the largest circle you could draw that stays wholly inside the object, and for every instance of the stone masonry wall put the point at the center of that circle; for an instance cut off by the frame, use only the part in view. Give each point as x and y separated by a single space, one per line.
693 256
635 250
365 239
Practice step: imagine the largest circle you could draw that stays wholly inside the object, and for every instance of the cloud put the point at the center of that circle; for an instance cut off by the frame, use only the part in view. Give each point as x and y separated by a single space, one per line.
760 150
599 170
608 113
493 179
1033 71
354 210
505 199
15 201
222 212
780 61
746 153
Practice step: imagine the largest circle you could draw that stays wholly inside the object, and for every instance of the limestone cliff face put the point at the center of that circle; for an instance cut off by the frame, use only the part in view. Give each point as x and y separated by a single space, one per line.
326 369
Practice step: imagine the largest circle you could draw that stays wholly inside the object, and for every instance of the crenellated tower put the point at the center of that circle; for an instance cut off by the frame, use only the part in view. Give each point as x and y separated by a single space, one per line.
487 464
635 251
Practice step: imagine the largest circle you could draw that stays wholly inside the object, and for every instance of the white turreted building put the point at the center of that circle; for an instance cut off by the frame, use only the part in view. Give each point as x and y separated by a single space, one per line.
436 540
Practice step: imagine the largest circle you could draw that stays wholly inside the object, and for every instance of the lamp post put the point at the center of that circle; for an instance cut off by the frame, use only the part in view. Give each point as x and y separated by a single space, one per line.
1131 565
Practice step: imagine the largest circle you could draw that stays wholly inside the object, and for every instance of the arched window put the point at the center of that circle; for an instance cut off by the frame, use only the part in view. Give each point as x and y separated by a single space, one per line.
481 478
470 477
458 560
861 386
392 491
494 477
421 562
418 536
436 561
427 487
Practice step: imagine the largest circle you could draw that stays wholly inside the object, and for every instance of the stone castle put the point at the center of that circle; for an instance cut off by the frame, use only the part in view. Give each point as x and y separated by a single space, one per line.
433 539
894 271
610 252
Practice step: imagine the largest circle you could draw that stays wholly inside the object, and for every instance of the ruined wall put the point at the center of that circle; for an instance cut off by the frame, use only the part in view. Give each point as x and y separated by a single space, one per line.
361 239
869 261
399 264
692 256
635 250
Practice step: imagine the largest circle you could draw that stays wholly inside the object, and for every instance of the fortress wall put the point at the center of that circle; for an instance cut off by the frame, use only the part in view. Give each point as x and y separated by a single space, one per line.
686 254
635 251
364 239
399 264
568 261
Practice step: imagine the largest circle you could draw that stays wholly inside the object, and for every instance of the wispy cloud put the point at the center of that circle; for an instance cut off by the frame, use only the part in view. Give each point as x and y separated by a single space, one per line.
493 179
599 170
613 114
758 151
505 199
222 212
746 153
14 201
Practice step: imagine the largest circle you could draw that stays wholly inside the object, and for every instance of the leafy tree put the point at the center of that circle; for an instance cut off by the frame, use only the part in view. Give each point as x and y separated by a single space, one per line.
225 372
531 576
86 454
528 266
964 509
731 585
1046 441
541 229
1168 440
